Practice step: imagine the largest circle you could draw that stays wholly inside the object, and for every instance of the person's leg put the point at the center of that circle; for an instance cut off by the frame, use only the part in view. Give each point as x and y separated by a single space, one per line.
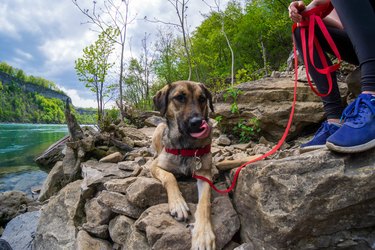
358 131
332 103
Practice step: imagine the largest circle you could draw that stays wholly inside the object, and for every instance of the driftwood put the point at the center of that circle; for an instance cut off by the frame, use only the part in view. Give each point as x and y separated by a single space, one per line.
75 130
230 164
53 153
121 145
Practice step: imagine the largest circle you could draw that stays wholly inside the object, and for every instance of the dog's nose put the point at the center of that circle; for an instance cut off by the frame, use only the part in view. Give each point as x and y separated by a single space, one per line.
195 122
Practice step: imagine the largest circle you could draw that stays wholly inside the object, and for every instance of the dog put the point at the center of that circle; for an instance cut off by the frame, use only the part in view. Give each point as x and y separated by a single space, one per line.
182 145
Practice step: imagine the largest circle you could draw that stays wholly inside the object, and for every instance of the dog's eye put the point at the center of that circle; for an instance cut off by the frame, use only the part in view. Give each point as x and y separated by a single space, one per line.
180 97
202 99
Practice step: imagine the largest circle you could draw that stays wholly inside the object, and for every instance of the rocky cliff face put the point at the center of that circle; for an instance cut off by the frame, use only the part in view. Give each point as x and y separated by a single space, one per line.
30 87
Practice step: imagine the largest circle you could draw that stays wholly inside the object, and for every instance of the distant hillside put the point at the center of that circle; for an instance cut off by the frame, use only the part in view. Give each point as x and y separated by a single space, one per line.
29 99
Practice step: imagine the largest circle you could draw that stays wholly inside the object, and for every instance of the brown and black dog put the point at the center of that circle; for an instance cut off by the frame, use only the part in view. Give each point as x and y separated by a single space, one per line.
183 147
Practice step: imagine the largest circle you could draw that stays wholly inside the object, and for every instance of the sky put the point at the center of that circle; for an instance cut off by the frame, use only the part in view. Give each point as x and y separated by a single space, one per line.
45 37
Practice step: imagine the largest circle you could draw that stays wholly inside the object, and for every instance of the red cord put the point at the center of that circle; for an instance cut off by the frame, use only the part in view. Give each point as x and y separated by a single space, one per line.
314 17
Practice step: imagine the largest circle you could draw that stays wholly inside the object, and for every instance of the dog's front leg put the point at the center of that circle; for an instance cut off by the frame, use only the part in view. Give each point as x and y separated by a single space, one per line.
177 204
203 235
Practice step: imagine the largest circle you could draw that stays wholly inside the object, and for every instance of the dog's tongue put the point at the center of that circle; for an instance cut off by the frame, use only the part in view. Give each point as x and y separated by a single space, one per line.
204 133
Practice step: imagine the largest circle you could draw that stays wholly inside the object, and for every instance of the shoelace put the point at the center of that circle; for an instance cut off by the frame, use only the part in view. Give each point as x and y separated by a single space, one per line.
356 111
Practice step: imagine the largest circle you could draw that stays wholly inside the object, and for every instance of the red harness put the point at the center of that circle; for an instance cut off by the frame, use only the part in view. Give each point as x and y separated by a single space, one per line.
190 152
314 16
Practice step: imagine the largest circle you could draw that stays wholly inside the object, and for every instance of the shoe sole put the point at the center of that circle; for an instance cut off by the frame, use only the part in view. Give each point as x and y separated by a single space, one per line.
353 149
311 148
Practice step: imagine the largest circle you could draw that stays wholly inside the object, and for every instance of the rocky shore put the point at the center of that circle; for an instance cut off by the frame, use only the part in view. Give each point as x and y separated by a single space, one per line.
101 195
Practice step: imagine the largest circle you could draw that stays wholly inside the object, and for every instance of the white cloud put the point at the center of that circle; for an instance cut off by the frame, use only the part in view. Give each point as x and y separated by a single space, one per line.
24 54
77 100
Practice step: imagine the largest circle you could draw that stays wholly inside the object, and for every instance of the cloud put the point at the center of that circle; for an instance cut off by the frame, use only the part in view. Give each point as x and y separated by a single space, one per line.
23 54
77 100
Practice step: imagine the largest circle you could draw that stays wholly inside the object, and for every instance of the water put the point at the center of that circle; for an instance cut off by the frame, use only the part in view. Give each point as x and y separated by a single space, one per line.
19 145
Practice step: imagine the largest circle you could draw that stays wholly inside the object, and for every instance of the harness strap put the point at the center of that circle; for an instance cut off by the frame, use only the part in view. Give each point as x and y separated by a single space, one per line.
189 152
317 13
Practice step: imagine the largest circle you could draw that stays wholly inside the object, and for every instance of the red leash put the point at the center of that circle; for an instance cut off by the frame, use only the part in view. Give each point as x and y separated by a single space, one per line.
314 17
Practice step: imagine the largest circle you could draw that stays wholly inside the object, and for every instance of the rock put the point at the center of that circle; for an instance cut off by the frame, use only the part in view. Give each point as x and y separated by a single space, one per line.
113 158
86 242
154 121
136 240
54 182
269 101
97 218
353 80
96 173
146 192
223 140
311 201
120 228
162 230
224 219
19 232
119 204
71 162
98 231
132 133
58 220
12 203
119 185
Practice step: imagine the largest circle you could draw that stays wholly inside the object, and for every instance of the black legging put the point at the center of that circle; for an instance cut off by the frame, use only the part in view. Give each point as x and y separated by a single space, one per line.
356 44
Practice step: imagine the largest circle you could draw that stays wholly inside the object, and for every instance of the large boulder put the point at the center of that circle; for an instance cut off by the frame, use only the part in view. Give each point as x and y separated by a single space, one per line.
54 182
57 227
269 100
164 232
19 232
312 201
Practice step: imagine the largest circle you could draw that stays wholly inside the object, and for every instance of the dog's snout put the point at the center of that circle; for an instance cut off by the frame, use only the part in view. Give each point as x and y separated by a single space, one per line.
195 122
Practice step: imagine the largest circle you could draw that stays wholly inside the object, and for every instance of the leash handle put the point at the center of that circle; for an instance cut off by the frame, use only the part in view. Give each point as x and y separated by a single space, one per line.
314 17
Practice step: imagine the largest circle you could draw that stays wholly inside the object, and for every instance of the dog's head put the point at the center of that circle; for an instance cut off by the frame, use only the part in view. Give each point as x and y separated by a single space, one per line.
186 104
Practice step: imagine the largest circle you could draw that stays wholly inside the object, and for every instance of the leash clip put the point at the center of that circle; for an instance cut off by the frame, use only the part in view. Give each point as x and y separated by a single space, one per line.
198 161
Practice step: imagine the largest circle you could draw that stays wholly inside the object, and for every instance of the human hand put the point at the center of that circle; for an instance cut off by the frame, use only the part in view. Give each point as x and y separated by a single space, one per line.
295 8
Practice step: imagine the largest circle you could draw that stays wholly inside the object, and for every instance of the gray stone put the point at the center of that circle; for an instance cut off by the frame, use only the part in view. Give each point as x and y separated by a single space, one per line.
119 185
300 200
119 204
132 133
57 224
20 231
136 240
223 140
54 182
98 231
12 203
120 229
269 101
86 242
146 192
162 230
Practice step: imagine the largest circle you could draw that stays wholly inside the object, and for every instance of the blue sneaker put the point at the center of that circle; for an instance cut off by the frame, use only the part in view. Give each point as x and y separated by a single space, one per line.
357 134
320 137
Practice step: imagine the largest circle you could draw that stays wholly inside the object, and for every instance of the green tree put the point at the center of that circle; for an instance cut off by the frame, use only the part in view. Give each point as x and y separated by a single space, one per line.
92 68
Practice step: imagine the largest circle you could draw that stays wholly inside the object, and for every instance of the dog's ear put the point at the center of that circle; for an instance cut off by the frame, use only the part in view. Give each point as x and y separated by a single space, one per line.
208 95
161 99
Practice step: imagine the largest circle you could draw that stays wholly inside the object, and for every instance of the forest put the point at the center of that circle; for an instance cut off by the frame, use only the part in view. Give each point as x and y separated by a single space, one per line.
243 41
22 106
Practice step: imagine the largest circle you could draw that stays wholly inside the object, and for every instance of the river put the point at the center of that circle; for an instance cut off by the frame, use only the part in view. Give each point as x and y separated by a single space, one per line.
19 145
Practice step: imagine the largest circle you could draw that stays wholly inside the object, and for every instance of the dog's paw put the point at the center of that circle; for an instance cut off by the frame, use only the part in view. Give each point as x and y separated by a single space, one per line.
203 237
179 209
